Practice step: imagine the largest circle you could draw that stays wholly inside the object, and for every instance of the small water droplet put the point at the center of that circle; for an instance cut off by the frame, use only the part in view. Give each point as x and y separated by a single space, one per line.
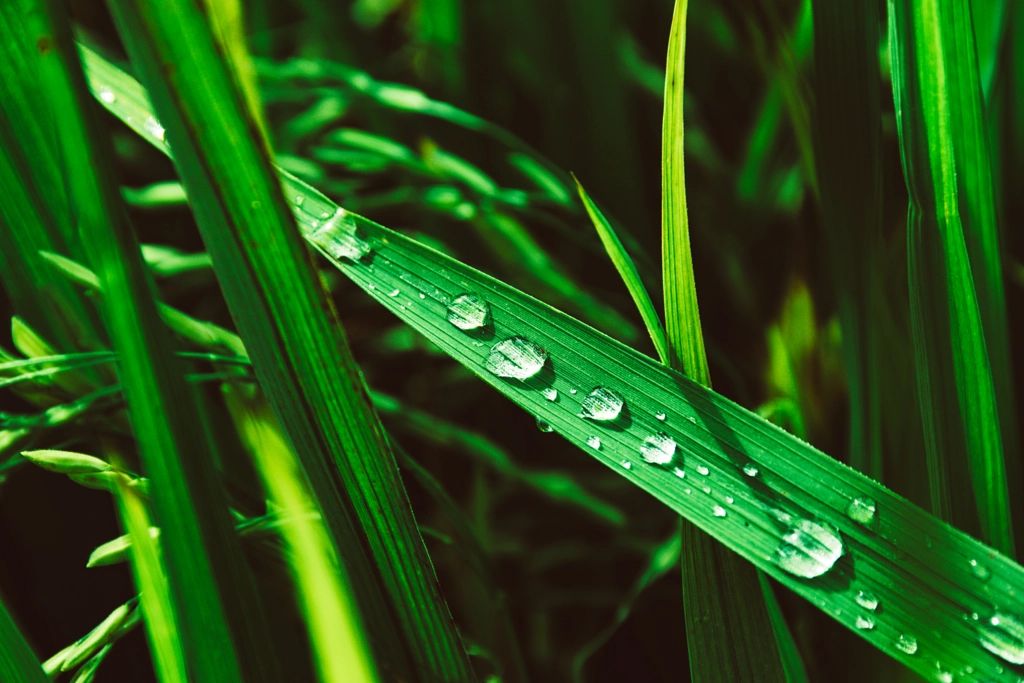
980 571
659 416
373 286
299 200
864 623
106 94
703 470
861 510
153 127
692 419
944 676
516 357
1003 636
572 391
659 449
594 442
679 472
809 549
729 500
718 511
550 393
866 600
907 644
422 295
706 489
750 469
338 238
394 292
469 312
602 404
626 464
544 426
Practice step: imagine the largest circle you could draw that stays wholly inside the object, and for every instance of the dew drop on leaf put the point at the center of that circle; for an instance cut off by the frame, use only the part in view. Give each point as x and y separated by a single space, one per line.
907 644
718 511
703 470
338 238
679 472
602 404
944 676
866 600
660 416
809 549
153 127
550 393
594 442
864 623
106 94
980 571
659 449
516 357
626 464
544 426
750 469
394 292
729 500
469 312
1003 636
861 510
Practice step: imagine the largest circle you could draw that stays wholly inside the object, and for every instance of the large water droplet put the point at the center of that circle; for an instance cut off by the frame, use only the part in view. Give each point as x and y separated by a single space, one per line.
338 238
516 357
907 644
594 442
106 94
1003 636
550 393
861 510
544 426
718 511
864 623
980 571
602 404
660 416
750 469
866 600
659 449
469 312
809 549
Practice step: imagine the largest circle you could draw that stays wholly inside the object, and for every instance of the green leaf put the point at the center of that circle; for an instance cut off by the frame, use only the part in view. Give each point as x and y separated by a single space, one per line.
918 567
934 80
18 664
299 351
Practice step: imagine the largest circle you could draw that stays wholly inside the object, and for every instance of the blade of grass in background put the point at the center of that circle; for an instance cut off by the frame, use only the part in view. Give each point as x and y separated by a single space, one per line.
298 348
955 380
990 20
18 664
729 633
848 146
214 593
923 573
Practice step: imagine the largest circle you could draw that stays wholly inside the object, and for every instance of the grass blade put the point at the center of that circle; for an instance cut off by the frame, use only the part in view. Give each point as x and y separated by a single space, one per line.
955 378
213 590
627 270
905 557
290 331
18 664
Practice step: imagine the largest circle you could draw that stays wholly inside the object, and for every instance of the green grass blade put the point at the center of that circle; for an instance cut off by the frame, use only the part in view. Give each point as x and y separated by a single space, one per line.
918 567
18 664
627 271
214 593
299 350
728 630
848 148
955 378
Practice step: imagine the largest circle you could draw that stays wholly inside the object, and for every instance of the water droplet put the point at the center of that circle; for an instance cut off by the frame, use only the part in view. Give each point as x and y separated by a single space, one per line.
866 600
687 491
861 510
944 676
422 295
809 549
703 470
153 127
864 623
679 472
394 292
106 94
299 200
729 500
706 489
692 419
980 571
550 393
594 442
602 404
1003 636
544 426
750 469
658 449
907 644
469 312
659 416
572 391
373 286
626 464
516 357
338 238
718 511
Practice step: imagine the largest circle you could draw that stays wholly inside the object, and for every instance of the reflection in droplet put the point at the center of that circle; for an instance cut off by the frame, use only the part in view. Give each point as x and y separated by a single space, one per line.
907 644
469 312
861 510
550 393
544 426
809 549
602 404
659 449
516 357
